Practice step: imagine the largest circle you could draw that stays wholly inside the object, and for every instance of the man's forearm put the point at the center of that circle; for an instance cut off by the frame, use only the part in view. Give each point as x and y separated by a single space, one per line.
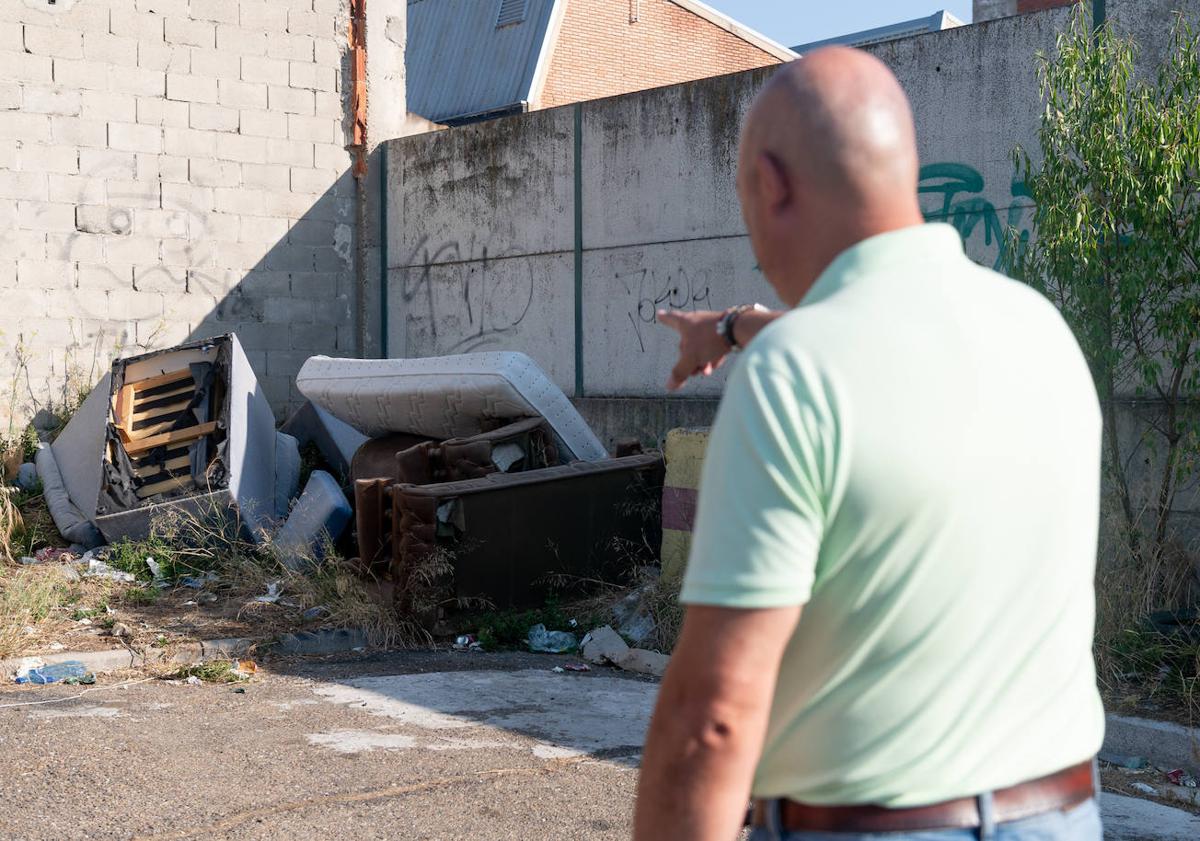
709 723
695 780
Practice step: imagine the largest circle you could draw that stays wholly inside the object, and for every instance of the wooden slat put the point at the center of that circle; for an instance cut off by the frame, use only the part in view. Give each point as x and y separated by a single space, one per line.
161 379
123 405
143 445
169 464
173 408
162 487
141 399
153 429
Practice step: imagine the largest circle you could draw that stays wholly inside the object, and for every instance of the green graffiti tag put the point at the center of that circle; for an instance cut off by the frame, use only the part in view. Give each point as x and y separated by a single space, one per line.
963 205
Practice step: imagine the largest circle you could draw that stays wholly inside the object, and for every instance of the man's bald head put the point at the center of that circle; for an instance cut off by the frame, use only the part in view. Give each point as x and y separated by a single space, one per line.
828 157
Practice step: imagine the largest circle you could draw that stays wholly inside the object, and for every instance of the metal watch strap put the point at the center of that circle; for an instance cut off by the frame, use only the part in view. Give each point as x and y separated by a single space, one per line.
728 322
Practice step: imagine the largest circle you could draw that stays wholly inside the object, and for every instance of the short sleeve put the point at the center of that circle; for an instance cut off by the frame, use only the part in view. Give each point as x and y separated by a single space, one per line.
763 490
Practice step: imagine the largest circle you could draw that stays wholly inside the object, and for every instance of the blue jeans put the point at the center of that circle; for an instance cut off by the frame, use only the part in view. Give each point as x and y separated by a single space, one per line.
1080 824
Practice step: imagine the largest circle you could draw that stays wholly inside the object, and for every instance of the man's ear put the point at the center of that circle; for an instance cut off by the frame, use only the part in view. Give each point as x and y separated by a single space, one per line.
773 184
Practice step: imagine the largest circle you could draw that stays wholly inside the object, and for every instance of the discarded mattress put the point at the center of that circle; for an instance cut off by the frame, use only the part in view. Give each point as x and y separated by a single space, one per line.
508 535
445 397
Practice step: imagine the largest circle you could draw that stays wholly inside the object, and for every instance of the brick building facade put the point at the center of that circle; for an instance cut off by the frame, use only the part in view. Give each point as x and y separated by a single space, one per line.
609 47
471 60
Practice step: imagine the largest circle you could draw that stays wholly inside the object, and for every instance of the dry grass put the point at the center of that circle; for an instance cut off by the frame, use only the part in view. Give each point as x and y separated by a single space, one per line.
1139 666
190 544
38 602
12 525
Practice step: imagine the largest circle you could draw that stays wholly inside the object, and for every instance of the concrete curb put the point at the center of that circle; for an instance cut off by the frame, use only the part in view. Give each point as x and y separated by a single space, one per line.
329 641
1160 742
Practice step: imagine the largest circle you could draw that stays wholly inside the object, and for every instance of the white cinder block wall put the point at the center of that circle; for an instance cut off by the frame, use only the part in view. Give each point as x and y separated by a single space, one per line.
171 169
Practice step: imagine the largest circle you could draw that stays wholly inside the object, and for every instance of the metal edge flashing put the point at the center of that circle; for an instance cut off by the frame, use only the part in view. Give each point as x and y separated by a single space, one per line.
541 70
733 27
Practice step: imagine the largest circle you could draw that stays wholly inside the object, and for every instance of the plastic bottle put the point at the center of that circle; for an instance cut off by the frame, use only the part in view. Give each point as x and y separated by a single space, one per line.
54 672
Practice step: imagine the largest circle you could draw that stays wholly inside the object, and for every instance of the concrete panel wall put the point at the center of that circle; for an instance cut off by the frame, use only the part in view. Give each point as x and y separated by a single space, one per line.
481 244
171 169
660 223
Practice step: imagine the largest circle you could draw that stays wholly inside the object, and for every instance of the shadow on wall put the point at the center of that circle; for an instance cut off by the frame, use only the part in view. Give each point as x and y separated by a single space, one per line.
263 250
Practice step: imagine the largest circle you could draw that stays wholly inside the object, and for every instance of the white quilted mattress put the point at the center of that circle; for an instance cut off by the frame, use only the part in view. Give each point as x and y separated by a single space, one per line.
444 396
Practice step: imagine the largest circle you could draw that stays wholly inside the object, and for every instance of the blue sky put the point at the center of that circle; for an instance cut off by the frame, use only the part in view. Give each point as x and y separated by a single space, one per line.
793 22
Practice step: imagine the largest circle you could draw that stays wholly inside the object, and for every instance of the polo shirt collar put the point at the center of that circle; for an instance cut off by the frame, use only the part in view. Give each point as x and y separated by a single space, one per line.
886 253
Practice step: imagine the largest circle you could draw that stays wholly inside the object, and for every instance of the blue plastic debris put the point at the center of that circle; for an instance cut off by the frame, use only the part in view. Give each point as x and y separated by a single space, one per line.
319 517
66 670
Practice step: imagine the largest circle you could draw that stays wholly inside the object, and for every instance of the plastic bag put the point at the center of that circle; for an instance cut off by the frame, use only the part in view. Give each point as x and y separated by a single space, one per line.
551 642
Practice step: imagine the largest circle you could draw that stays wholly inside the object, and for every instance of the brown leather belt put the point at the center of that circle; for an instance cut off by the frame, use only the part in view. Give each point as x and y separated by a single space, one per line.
1058 792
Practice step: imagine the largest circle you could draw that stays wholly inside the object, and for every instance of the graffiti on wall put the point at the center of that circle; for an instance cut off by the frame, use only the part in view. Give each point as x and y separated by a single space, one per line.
649 291
469 308
954 193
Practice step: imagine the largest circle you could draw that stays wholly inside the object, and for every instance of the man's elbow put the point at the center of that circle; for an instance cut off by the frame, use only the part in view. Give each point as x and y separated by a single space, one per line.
712 723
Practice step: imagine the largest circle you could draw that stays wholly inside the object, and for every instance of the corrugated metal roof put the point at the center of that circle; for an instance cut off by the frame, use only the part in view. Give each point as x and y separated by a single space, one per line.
934 23
460 63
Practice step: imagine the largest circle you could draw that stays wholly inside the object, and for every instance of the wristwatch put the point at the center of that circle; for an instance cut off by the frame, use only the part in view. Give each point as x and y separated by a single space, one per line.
727 321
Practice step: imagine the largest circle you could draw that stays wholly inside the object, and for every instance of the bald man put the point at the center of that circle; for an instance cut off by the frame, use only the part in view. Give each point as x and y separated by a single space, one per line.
889 597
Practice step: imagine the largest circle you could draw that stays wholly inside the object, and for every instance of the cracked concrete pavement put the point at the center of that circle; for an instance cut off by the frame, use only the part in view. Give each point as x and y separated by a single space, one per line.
416 745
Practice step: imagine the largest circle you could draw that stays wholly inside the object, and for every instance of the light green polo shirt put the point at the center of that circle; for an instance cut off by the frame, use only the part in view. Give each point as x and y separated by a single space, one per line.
913 454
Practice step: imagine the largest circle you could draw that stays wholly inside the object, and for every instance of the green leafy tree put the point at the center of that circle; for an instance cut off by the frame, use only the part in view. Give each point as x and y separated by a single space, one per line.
1117 248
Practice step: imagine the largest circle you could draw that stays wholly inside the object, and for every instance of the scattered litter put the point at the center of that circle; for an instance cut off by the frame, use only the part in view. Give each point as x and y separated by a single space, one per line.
85 621
645 662
57 646
48 554
52 673
633 619
53 553
110 611
99 554
551 642
272 594
314 613
1133 763
192 680
559 669
191 603
1181 777
99 569
198 582
86 680
245 669
27 477
26 666
121 630
574 623
208 598
467 642
577 667
156 573
603 645
239 690
1145 789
